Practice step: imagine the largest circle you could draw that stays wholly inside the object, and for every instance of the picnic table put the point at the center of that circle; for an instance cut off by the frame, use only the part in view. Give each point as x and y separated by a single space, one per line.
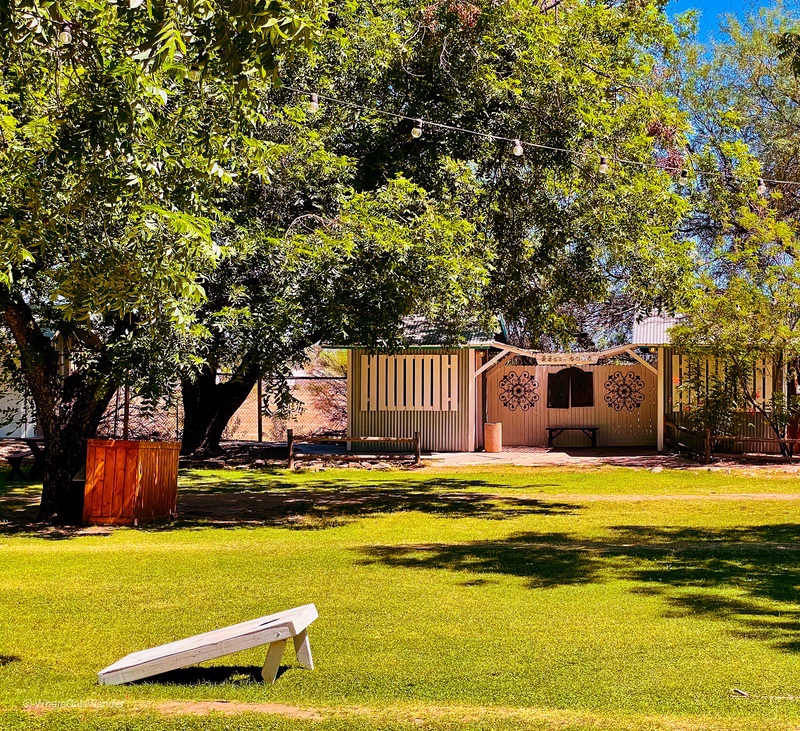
36 449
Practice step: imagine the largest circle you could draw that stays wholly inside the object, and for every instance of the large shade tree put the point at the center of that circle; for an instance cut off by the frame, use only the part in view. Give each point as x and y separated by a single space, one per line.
745 115
584 77
121 124
556 234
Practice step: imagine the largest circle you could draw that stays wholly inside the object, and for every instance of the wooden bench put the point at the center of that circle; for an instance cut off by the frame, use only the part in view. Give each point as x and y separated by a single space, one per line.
273 630
294 455
588 431
15 460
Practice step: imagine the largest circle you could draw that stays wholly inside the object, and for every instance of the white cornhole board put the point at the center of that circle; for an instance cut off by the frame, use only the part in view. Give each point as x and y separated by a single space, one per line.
272 630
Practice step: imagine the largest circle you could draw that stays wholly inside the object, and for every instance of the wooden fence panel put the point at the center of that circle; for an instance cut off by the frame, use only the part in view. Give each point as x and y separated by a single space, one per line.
128 483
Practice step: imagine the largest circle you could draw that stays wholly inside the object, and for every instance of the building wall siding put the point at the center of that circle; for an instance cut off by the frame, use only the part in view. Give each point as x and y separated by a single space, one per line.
18 420
625 428
678 405
445 431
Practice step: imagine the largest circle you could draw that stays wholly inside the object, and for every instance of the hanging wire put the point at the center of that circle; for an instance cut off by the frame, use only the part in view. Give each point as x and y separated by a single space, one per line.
68 28
517 144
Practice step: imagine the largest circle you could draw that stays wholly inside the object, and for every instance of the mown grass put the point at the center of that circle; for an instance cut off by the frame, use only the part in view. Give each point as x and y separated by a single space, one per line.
483 598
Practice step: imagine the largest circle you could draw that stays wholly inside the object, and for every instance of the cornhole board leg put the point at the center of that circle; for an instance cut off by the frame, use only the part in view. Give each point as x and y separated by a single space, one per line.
302 649
274 654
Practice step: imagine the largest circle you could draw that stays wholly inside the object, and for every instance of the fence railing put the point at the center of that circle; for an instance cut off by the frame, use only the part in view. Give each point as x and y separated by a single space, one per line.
701 444
683 438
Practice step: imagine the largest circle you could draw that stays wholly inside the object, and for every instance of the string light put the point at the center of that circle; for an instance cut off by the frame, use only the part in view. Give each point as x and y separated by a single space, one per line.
604 160
65 36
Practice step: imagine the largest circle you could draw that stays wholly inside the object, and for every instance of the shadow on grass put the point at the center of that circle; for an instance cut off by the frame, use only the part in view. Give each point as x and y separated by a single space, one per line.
318 503
325 504
746 577
214 675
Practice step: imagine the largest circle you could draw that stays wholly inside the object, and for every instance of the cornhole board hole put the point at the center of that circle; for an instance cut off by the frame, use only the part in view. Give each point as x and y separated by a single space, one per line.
273 630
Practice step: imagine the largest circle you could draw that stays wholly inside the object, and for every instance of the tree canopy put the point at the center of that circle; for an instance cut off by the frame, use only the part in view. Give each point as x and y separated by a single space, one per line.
120 125
745 117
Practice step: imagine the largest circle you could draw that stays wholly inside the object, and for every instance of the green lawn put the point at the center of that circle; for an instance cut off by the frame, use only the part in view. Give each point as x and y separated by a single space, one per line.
482 598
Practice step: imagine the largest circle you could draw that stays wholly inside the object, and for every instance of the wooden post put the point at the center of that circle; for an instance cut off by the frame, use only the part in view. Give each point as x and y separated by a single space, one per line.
260 415
290 443
126 413
417 456
707 440
660 400
116 414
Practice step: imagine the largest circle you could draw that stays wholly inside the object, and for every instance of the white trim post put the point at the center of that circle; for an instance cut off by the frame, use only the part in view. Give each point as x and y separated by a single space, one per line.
660 401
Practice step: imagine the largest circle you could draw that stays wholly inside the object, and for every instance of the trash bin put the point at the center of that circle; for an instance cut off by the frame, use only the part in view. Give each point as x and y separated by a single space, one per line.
493 437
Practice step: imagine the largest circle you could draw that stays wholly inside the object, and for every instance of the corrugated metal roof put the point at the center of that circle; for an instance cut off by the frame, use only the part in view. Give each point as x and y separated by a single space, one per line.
654 329
420 332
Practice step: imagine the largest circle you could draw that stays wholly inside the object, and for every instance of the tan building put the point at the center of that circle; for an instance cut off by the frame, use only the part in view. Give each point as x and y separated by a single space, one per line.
624 396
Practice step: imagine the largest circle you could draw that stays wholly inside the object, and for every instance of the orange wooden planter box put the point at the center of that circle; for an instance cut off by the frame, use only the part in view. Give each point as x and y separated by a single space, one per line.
128 483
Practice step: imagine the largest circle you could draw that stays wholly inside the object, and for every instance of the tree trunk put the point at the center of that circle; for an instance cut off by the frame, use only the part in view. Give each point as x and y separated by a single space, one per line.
69 407
208 406
66 439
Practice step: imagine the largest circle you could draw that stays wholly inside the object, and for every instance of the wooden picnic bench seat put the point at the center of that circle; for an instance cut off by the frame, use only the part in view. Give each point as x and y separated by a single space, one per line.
293 440
273 630
589 431
15 461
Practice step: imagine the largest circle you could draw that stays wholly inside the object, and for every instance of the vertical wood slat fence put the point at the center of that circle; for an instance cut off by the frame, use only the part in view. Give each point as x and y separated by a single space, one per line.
409 383
128 483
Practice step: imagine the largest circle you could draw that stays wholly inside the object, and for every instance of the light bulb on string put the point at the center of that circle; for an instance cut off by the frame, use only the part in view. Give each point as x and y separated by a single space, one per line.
65 36
679 174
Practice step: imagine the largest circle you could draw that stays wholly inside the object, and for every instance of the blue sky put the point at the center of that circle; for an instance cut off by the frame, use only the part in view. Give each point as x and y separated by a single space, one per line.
711 10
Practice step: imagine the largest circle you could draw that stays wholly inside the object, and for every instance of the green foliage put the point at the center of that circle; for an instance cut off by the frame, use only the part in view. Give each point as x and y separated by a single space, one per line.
115 149
389 253
743 307
587 79
788 44
716 401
